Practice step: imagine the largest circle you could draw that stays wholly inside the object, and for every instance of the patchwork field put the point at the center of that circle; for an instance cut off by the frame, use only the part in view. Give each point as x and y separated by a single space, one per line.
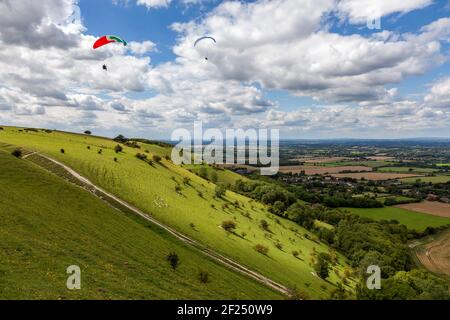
430 207
435 179
321 159
374 175
443 164
311 170
411 219
380 158
367 163
187 203
407 169
397 198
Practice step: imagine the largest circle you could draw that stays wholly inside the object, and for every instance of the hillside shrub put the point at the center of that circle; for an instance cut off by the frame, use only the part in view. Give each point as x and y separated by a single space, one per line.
173 259
220 191
203 276
261 249
132 144
213 177
264 225
202 172
322 265
17 153
141 156
229 226
156 158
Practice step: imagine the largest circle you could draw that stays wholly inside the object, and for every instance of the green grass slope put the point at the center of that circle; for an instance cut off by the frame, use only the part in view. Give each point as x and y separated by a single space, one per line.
223 175
413 220
193 211
48 224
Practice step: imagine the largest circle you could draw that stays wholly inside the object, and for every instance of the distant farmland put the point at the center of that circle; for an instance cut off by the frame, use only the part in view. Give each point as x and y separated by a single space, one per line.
321 159
380 158
407 169
374 175
366 163
435 179
430 207
411 219
311 170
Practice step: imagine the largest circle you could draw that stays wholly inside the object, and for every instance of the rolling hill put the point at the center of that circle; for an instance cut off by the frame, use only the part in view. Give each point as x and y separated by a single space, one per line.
48 224
182 200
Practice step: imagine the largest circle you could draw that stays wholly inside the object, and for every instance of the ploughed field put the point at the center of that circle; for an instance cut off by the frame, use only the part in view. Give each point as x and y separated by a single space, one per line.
434 253
377 176
429 207
322 170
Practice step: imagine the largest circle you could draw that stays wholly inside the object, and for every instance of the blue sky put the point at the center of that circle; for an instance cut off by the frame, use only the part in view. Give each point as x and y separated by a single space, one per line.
137 23
311 68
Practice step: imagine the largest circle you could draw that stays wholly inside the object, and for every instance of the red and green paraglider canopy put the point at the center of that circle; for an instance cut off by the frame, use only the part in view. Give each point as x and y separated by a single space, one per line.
107 40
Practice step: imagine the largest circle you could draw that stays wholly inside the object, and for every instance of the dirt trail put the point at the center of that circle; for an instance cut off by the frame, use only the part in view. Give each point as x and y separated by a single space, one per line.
101 193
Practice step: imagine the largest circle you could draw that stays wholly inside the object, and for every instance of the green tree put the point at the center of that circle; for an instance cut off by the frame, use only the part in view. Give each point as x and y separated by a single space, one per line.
264 225
220 191
229 226
118 148
17 153
322 265
173 259
202 172
156 158
213 177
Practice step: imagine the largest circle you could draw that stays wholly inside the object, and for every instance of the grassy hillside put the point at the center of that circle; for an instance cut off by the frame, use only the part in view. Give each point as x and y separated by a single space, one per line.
210 173
48 224
411 219
194 210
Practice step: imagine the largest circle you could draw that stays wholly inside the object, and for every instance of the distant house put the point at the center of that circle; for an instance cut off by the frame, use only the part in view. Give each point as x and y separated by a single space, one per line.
406 192
445 200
